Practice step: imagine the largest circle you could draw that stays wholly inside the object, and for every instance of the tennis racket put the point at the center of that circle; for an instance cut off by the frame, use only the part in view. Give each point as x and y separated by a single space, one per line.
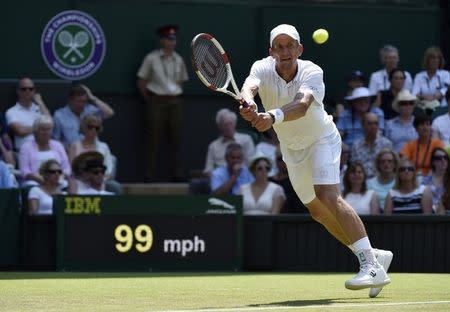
212 66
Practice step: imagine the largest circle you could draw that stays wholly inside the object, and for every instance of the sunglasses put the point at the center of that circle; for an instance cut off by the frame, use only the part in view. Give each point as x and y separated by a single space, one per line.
26 88
406 103
404 169
261 168
92 127
440 157
56 171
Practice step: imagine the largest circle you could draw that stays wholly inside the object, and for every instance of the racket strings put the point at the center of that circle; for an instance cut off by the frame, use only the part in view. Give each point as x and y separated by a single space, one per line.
210 63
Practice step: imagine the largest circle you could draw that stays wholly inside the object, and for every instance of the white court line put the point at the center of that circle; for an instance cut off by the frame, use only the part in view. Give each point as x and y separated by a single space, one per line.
321 306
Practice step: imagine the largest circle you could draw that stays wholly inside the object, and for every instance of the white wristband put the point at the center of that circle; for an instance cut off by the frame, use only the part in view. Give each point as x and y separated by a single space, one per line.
279 115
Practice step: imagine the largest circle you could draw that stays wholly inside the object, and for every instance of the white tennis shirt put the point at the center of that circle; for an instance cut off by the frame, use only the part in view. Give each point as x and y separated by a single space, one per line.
275 92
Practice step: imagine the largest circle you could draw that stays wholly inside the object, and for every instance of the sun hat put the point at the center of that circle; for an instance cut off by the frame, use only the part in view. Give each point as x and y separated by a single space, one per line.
403 96
358 93
285 29
256 157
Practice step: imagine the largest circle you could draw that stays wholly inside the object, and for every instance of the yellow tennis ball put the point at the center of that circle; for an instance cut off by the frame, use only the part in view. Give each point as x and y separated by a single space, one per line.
320 36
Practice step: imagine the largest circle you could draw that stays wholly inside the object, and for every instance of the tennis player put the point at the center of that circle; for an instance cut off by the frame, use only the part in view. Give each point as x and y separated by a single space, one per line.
292 91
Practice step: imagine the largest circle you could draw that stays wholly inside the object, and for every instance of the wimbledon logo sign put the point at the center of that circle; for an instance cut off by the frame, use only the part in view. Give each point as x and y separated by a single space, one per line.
73 45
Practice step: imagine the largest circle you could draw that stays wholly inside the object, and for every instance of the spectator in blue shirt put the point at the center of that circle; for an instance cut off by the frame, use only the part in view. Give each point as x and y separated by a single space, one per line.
349 123
227 179
67 119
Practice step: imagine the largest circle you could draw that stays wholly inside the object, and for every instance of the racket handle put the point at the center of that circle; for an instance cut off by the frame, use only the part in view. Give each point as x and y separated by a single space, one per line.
243 103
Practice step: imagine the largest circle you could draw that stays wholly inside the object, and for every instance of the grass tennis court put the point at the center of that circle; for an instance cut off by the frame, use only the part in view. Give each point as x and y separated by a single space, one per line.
130 292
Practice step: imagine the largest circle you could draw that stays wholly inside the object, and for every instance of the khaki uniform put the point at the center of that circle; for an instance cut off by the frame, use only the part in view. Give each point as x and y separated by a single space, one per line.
164 109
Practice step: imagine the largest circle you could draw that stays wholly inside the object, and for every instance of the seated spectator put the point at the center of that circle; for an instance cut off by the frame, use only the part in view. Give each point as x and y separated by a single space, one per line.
441 124
390 58
39 149
435 180
431 84
20 117
401 129
292 204
88 174
6 147
90 127
355 79
40 198
444 205
261 197
349 123
226 123
386 167
365 149
386 97
268 146
364 201
407 195
6 178
67 119
229 178
419 151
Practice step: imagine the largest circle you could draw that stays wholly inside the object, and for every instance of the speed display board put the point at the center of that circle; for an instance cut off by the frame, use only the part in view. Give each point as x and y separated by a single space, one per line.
148 233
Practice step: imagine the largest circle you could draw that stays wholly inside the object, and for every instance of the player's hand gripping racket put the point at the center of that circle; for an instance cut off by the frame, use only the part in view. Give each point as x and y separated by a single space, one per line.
212 66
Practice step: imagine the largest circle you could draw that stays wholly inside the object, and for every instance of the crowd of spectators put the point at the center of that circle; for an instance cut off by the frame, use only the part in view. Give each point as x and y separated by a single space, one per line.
395 151
38 150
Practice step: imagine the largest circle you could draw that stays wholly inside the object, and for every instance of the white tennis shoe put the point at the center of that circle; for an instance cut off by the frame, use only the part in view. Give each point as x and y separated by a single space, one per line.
370 275
384 258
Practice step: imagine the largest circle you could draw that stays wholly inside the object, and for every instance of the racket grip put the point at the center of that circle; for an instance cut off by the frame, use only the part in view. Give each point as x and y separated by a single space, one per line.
243 103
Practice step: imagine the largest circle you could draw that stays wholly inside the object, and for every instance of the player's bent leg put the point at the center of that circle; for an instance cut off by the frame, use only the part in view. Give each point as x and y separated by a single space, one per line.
320 213
371 273
345 215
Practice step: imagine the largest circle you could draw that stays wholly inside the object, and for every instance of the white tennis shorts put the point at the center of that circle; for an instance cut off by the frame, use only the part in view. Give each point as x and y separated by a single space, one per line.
315 165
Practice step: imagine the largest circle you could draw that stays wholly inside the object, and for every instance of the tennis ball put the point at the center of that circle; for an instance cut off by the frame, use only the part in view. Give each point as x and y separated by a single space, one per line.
320 36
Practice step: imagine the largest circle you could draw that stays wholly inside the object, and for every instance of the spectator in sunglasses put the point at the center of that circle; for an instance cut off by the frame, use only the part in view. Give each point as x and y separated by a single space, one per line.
40 200
29 107
89 174
261 197
90 128
407 195
400 129
435 180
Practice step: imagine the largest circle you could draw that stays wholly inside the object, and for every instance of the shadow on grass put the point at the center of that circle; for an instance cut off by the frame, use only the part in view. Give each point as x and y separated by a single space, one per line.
302 303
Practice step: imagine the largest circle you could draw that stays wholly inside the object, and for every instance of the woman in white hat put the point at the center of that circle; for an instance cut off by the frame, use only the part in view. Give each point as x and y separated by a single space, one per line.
262 197
401 129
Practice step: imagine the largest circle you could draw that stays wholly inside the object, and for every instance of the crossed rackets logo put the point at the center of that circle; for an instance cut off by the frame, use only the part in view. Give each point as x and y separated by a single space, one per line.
80 40
73 45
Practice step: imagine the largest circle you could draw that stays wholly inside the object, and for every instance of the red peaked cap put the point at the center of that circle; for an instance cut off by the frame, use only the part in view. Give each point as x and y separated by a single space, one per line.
168 31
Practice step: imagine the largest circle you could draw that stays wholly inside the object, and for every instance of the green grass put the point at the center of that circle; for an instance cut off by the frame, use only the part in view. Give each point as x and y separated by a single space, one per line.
132 292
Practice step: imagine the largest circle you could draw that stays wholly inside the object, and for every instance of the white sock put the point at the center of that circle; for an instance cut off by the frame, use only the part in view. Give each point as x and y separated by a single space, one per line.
364 251
361 244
